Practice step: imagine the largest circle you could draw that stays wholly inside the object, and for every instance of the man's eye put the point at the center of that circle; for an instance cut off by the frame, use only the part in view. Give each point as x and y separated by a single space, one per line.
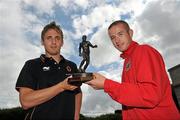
58 38
49 37
120 34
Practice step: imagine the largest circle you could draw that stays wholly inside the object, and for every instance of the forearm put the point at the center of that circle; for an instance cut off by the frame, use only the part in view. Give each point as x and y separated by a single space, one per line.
141 95
78 102
30 98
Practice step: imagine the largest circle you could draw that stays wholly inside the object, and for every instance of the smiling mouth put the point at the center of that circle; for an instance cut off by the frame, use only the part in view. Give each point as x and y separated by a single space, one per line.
53 47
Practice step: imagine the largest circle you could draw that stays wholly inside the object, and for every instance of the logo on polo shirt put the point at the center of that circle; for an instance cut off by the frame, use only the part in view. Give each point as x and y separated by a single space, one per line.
46 68
68 68
128 65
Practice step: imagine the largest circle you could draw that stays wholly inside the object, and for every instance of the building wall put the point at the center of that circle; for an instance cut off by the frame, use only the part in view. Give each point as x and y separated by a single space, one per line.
175 76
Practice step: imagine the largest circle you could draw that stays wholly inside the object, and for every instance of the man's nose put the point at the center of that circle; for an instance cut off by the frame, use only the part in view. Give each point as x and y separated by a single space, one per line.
54 40
116 39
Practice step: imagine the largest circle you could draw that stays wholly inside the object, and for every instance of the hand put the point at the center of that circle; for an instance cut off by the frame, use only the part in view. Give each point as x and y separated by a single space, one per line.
76 117
95 46
97 82
67 86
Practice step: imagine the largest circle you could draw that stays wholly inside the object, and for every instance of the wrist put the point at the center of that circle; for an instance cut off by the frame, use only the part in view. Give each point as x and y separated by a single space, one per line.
106 86
61 86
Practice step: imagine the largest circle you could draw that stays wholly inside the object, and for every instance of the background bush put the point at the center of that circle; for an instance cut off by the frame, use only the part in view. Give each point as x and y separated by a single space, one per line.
19 114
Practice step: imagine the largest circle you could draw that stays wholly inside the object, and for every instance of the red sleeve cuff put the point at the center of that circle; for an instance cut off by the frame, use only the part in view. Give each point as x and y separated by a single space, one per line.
107 85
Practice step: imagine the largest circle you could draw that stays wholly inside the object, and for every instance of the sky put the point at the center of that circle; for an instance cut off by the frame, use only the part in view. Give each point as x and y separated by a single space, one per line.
155 22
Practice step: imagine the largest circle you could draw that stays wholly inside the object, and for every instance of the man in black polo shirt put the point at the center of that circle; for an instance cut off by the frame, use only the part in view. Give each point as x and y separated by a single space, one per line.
42 83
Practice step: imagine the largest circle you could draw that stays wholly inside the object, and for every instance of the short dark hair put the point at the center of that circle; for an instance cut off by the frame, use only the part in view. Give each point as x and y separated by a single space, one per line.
119 22
51 25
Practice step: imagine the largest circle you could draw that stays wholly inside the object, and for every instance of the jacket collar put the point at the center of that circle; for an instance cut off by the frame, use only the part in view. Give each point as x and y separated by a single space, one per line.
130 50
46 59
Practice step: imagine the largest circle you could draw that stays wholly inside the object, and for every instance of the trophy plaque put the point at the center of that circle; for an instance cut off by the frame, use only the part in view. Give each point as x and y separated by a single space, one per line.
81 76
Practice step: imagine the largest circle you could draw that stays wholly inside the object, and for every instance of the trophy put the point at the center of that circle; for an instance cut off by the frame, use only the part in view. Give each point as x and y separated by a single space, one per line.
84 52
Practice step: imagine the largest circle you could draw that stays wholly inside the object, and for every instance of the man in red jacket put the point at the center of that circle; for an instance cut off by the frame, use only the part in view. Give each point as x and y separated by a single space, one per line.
145 91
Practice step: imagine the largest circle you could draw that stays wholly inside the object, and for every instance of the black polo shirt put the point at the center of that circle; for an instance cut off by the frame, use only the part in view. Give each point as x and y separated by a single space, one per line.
45 72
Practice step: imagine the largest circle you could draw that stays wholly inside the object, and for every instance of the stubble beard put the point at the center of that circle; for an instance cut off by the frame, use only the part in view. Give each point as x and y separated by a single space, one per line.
52 52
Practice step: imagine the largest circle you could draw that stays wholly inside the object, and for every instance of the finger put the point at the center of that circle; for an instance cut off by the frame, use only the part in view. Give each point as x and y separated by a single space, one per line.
94 76
89 83
69 76
93 86
73 87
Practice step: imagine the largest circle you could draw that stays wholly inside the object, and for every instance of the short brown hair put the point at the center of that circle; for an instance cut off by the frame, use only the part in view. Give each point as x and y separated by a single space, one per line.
51 25
119 22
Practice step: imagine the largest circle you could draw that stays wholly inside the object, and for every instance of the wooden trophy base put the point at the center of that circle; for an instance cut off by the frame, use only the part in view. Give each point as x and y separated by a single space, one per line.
79 78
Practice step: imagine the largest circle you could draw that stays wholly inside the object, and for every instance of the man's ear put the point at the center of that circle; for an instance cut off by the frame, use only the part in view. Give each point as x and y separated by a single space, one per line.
131 32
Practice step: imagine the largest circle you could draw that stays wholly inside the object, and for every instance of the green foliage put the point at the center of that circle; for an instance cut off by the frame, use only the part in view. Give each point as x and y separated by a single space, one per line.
12 114
104 117
19 114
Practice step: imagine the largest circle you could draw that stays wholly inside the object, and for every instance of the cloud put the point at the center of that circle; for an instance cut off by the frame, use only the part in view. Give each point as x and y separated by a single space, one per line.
97 102
85 24
154 22
105 53
84 5
160 19
19 41
15 48
69 47
40 7
95 24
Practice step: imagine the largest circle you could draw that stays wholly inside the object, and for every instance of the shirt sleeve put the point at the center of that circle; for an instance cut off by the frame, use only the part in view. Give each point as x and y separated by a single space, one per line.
151 83
26 78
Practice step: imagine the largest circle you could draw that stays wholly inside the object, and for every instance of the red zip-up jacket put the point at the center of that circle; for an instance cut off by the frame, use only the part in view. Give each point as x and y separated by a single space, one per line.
145 91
